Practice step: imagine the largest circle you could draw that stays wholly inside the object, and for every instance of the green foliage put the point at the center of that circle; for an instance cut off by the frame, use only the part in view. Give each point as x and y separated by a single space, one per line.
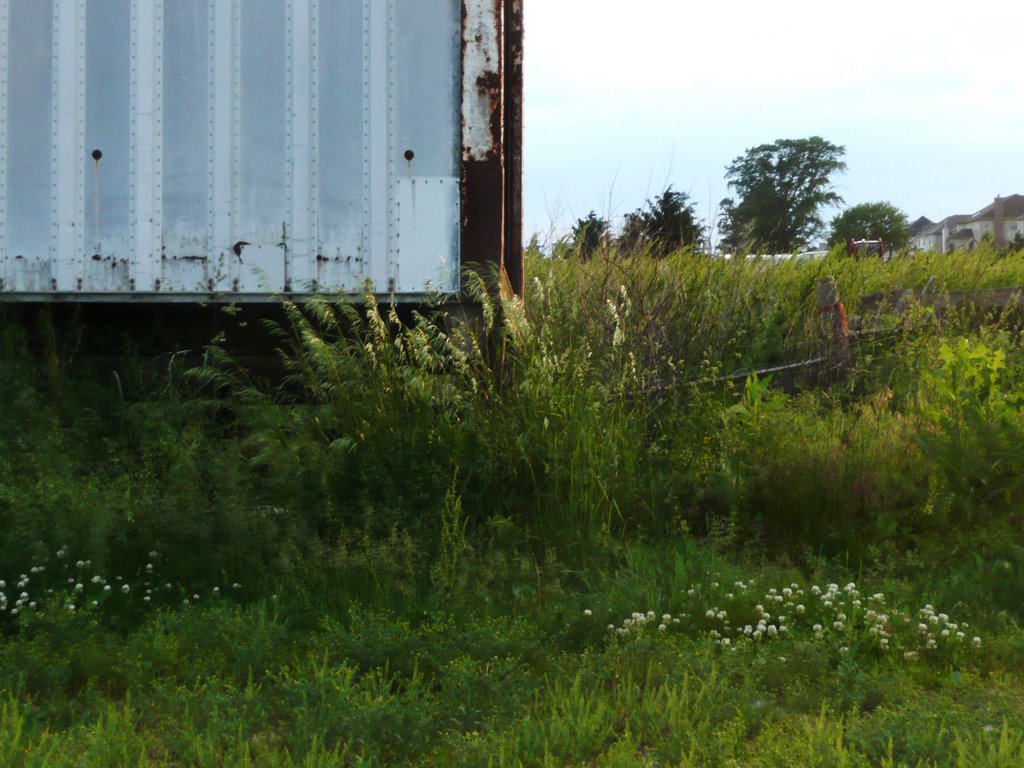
589 234
782 187
667 224
872 221
456 537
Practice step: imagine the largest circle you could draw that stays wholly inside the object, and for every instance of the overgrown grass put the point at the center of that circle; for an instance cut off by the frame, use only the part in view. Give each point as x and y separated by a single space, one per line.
456 541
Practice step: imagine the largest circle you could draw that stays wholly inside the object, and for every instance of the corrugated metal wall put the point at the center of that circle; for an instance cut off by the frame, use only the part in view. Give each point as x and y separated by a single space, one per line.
185 147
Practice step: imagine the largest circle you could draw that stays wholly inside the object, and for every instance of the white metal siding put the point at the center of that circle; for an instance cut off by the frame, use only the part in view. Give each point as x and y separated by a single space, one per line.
182 148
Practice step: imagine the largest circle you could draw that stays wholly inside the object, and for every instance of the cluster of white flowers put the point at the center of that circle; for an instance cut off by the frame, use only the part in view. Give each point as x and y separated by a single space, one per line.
80 590
842 616
638 622
935 630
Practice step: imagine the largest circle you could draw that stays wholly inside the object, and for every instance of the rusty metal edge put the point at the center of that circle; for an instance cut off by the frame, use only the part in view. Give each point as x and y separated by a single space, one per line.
491 129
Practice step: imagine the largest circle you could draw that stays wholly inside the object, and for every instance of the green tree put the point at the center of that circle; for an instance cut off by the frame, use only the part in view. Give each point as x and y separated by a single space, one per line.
872 221
589 234
667 223
781 188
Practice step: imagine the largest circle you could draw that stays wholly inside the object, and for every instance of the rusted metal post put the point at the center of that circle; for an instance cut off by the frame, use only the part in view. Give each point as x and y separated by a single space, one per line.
834 326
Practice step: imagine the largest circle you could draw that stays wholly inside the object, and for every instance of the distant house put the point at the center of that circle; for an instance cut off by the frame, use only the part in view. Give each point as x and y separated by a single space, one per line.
1003 220
936 236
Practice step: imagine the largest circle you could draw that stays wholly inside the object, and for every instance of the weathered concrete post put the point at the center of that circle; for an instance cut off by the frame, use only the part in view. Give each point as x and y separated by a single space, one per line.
834 326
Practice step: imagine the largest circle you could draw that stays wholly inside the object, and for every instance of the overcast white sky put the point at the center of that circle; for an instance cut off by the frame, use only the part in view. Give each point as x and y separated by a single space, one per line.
626 96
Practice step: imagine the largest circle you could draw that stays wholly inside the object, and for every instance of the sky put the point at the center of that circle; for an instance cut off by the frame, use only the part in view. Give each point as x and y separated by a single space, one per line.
624 98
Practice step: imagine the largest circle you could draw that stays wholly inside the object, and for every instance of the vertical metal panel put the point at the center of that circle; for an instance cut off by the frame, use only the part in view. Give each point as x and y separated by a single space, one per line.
4 108
263 154
186 149
29 144
483 170
300 137
379 127
224 62
106 159
146 184
67 186
344 177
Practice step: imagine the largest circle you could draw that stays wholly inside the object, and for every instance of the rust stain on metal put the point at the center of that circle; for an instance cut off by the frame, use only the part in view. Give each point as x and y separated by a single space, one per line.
491 237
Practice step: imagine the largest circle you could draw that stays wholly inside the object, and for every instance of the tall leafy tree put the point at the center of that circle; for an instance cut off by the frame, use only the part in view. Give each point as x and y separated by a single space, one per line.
781 188
667 223
872 221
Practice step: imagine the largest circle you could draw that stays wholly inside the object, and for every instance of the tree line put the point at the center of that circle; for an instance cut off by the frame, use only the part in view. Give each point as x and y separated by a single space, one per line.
779 191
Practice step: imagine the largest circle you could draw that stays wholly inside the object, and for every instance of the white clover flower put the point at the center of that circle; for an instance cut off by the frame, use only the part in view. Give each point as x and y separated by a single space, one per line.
815 590
726 642
800 609
960 635
662 627
96 579
856 603
828 603
944 633
787 592
125 588
817 627
80 564
884 644
772 591
611 627
757 633
873 631
740 585
922 627
32 605
720 615
650 616
709 614
71 607
675 621
586 611
837 625
772 630
783 628
153 555
747 630
33 569
844 650
95 603
976 642
714 633
851 587
780 619
79 587
931 645
106 587
910 656
666 618
759 609
147 598
841 616
691 592
149 567
766 616
714 585
729 596
3 584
